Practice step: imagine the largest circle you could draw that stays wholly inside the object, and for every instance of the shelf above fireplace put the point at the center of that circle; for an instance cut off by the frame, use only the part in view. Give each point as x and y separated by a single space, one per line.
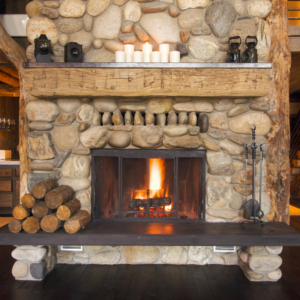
143 80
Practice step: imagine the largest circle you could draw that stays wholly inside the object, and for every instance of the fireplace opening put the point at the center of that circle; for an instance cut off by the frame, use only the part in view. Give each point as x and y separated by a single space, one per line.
148 185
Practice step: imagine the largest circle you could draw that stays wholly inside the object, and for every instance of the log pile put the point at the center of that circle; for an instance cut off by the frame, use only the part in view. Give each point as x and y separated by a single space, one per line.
48 208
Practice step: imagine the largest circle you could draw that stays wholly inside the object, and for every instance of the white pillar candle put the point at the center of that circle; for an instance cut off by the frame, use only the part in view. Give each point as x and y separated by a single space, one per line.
147 49
128 52
174 56
120 56
155 56
137 56
164 50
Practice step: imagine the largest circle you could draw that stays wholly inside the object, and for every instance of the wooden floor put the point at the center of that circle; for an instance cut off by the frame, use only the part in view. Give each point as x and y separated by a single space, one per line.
144 282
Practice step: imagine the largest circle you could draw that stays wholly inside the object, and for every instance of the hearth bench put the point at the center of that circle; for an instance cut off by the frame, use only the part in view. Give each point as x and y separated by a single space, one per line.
161 234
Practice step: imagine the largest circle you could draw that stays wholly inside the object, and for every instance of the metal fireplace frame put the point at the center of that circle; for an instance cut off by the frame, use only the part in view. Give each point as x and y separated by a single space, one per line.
146 154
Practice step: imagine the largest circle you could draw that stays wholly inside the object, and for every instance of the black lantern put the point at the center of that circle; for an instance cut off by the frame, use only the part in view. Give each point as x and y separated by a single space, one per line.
42 49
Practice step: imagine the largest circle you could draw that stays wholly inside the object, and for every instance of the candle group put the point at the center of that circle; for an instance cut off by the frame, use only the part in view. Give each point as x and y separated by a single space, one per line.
147 55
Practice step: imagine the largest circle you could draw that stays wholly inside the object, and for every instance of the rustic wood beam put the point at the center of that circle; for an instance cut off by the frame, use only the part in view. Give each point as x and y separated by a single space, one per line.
16 55
9 91
8 79
3 59
295 73
12 71
278 168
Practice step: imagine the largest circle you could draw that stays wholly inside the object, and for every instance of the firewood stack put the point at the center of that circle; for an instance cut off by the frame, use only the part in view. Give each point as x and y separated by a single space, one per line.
49 207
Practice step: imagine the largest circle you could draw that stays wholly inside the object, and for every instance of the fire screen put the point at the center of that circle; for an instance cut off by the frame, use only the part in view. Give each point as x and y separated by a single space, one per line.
148 185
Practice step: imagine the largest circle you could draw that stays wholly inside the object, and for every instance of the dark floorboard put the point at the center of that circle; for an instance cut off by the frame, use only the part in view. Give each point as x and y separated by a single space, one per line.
147 282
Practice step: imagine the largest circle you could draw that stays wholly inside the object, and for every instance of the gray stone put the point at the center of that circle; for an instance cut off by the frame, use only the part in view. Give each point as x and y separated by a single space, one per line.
222 104
97 7
260 106
208 143
141 34
133 107
160 105
95 137
40 145
72 8
218 192
238 139
217 158
40 166
87 22
190 18
32 255
203 48
33 8
85 200
194 130
203 123
82 38
20 269
196 106
251 275
33 178
174 255
173 131
264 263
81 151
99 55
254 249
161 120
38 270
117 118
217 135
68 105
69 25
242 189
237 110
64 119
97 45
241 124
66 137
218 121
224 213
49 13
113 46
127 38
39 25
161 27
81 258
52 4
149 118
127 128
275 275
76 167
132 11
84 113
221 170
127 27
188 142
154 7
40 110
136 255
236 202
200 255
274 250
106 118
259 8
119 139
182 49
108 24
105 105
173 11
172 118
109 257
231 148
147 136
75 184
59 160
64 257
220 16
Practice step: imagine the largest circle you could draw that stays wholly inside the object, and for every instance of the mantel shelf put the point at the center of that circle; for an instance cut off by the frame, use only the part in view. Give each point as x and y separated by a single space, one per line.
147 79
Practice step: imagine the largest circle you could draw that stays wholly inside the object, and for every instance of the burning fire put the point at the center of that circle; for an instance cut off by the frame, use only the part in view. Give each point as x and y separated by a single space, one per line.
168 207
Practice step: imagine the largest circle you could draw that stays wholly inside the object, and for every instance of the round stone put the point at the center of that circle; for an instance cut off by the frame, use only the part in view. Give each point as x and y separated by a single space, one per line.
231 148
238 165
136 255
220 16
64 119
264 263
218 192
109 257
185 4
209 143
49 13
203 123
217 135
52 4
119 2
173 131
40 126
173 11
95 137
132 11
75 184
174 255
96 120
200 255
127 27
147 136
108 24
63 39
76 167
20 269
237 110
185 142
274 250
221 170
82 38
87 22
113 46
224 213
160 105
68 105
236 202
127 38
195 106
119 139
85 198
66 137
259 8
84 113
33 8
218 121
40 110
97 7
69 25
72 8
35 254
97 43
217 158
253 250
275 275
260 106
190 18
222 104
238 139
241 124
105 105
133 107
39 25
203 48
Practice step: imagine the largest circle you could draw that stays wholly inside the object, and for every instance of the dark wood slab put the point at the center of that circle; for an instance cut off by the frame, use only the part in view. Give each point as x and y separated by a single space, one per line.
164 234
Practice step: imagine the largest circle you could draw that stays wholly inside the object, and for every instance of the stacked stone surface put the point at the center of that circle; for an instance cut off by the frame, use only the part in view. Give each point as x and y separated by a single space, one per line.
192 25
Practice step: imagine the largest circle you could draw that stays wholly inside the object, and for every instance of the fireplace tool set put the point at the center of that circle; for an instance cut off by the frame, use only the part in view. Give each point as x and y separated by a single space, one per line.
252 207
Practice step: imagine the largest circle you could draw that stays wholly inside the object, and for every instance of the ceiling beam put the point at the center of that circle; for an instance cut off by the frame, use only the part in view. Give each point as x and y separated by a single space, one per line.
9 91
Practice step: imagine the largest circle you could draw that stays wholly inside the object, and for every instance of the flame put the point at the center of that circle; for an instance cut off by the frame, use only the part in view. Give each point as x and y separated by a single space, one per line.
168 207
157 171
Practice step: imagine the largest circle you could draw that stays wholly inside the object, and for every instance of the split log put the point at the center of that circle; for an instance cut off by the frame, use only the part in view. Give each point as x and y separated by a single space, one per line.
15 225
51 223
31 225
9 91
153 202
40 189
12 71
64 212
59 196
8 79
29 201
20 212
41 210
79 221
